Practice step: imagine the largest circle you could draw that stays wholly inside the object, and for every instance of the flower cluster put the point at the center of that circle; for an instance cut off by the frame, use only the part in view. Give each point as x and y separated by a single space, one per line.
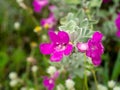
60 45
39 4
47 23
93 48
117 23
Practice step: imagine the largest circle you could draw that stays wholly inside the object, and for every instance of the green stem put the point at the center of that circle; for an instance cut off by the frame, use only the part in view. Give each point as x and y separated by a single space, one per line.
86 84
35 81
95 79
85 77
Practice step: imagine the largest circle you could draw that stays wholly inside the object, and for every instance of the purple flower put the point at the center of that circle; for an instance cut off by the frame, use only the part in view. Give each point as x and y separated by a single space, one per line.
95 48
49 83
117 22
59 46
39 4
118 33
49 22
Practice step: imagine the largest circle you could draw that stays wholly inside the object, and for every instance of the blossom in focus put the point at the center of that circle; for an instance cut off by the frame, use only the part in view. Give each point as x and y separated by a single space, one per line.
49 22
39 4
95 48
60 45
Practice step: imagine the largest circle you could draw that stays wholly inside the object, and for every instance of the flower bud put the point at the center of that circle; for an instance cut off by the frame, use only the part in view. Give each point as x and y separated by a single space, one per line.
111 84
13 75
51 70
69 84
34 68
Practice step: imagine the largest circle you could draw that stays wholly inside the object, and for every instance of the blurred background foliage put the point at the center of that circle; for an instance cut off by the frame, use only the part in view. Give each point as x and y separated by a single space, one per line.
15 43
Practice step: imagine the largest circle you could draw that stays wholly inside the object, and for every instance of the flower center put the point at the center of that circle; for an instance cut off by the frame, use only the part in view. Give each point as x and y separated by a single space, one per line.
50 81
60 47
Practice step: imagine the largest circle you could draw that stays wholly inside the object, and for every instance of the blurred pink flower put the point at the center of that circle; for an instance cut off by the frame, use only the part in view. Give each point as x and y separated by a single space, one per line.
49 22
106 1
49 83
118 33
59 46
95 48
117 22
39 4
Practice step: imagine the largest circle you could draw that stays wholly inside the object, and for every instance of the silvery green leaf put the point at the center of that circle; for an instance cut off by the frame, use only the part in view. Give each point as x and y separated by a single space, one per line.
72 1
95 3
84 34
70 26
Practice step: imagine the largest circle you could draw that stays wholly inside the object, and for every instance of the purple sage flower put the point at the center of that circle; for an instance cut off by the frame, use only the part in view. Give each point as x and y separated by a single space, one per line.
49 83
49 22
39 4
60 45
95 48
117 22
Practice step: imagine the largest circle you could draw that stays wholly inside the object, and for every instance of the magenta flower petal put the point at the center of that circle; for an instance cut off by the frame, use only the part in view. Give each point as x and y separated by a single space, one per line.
68 49
39 4
118 33
106 1
53 37
49 83
117 22
97 36
46 48
82 47
49 23
96 61
64 38
95 48
56 57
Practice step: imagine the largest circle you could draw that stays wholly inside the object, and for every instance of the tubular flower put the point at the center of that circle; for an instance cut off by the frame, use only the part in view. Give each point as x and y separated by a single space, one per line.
117 22
39 4
95 48
49 22
60 45
49 83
